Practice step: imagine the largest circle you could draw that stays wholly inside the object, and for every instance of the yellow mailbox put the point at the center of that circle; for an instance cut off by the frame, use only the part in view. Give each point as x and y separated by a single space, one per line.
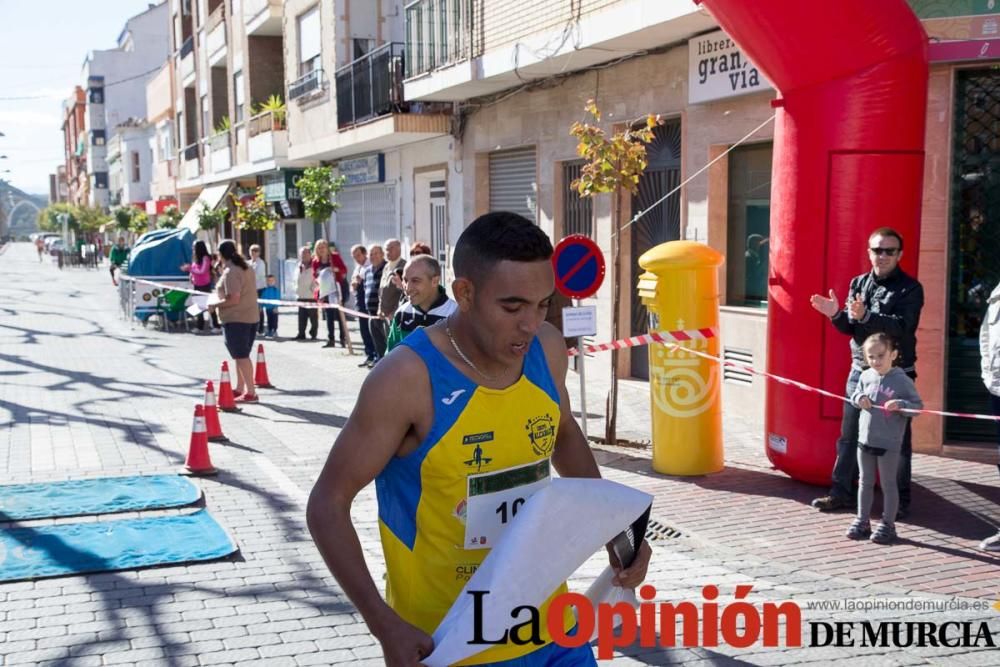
681 291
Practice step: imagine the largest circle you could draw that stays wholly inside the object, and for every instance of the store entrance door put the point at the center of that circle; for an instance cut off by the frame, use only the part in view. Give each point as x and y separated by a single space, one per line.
975 247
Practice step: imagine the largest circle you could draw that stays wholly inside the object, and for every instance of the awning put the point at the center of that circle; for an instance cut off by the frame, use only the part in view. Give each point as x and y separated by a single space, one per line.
211 197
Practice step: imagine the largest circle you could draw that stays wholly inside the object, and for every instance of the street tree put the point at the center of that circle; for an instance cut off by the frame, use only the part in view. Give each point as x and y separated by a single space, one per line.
613 165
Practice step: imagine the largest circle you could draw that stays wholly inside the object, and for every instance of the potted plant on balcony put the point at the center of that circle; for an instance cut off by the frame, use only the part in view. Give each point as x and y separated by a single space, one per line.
318 188
275 106
223 126
253 212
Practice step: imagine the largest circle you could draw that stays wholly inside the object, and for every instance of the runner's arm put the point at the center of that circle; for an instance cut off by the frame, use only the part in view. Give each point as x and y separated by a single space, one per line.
369 440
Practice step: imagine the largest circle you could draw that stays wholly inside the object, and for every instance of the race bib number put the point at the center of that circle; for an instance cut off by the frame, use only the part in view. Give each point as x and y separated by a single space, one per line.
494 499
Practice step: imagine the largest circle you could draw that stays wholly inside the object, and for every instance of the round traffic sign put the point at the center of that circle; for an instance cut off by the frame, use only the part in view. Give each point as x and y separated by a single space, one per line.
579 266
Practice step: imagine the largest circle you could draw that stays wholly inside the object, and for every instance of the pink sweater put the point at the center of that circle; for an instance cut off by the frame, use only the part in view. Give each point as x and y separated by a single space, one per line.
201 272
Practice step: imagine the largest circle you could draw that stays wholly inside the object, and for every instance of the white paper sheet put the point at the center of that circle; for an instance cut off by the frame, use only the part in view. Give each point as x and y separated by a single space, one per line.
198 303
555 532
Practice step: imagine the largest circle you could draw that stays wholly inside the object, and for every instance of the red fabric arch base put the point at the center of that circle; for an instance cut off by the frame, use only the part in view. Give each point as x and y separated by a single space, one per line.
848 158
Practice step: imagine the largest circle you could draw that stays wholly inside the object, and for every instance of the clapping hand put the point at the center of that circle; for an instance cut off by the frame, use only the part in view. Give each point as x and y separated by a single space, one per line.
856 308
828 307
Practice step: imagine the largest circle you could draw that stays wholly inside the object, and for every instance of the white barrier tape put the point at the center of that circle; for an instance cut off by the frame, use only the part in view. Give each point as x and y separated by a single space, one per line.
266 302
823 392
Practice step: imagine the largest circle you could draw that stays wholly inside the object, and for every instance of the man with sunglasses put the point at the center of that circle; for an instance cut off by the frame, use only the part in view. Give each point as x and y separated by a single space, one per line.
883 300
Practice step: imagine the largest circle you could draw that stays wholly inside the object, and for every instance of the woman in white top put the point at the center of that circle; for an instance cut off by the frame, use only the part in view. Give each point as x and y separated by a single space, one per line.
304 294
257 263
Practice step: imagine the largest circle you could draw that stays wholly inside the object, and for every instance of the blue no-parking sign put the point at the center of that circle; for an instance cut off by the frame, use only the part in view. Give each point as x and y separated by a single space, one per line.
579 266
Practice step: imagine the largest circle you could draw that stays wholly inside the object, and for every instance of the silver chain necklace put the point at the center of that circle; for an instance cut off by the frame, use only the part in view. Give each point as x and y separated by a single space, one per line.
458 351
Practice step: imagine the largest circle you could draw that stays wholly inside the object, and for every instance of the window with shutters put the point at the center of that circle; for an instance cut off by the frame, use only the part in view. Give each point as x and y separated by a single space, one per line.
310 44
578 212
514 182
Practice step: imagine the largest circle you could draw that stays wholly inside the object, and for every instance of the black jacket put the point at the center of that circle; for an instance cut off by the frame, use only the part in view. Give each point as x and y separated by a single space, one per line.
892 307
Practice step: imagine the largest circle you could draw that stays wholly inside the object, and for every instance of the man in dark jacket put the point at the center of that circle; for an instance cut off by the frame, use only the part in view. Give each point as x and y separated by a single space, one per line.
372 278
884 300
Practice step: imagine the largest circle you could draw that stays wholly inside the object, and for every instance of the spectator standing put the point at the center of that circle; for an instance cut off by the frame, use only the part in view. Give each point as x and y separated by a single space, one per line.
236 302
200 272
883 390
257 265
119 258
989 349
372 280
271 293
360 255
342 285
427 303
322 259
883 300
304 294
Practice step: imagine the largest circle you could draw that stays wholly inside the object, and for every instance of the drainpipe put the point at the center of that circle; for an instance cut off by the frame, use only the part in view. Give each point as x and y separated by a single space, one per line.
851 78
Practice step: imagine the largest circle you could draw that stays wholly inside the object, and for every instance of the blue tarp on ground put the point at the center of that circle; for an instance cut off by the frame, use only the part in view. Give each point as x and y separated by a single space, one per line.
95 496
125 544
160 253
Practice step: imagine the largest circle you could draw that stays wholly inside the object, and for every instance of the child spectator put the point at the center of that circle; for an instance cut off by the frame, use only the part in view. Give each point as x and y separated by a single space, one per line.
271 291
883 390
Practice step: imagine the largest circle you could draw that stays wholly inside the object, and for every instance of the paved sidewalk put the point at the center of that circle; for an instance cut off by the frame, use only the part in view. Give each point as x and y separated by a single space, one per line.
83 394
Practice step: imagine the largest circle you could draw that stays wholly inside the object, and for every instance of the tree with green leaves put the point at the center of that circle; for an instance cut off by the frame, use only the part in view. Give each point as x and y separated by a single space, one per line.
318 188
48 217
613 165
170 218
211 220
255 213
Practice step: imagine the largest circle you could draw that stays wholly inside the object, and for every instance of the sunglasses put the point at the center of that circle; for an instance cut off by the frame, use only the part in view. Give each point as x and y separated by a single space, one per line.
884 251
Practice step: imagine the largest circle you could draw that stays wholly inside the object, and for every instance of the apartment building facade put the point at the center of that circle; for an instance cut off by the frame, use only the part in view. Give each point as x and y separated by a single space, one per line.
162 148
345 62
130 164
229 114
75 140
520 72
115 85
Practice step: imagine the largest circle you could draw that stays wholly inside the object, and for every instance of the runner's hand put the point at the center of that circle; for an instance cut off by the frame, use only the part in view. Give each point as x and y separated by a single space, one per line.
405 645
635 574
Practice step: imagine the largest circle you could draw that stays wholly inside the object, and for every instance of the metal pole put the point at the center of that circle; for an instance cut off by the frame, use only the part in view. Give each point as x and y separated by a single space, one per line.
582 356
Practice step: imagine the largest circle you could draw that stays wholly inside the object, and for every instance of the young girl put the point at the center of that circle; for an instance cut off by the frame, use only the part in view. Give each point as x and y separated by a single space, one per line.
882 392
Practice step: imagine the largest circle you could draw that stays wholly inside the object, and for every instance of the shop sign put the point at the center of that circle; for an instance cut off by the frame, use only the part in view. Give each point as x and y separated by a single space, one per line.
718 69
280 185
363 170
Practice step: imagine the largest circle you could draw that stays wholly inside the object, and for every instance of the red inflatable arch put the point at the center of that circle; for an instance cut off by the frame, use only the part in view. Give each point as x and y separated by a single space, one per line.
848 158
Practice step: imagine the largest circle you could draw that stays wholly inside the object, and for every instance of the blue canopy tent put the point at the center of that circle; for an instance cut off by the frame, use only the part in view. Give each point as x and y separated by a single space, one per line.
158 256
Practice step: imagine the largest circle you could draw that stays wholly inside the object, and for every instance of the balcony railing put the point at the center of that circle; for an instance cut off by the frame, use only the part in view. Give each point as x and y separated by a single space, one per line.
264 122
309 84
371 86
187 47
216 42
439 33
190 152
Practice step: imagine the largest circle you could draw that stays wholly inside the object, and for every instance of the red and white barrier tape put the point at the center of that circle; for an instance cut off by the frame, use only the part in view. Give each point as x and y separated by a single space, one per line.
665 337
265 302
823 392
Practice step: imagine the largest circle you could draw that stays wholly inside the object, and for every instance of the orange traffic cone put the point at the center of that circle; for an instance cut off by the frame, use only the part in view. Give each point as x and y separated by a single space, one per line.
212 425
260 372
198 461
227 402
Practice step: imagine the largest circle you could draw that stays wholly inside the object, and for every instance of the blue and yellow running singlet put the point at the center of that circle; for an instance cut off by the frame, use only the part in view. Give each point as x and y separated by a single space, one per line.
442 506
